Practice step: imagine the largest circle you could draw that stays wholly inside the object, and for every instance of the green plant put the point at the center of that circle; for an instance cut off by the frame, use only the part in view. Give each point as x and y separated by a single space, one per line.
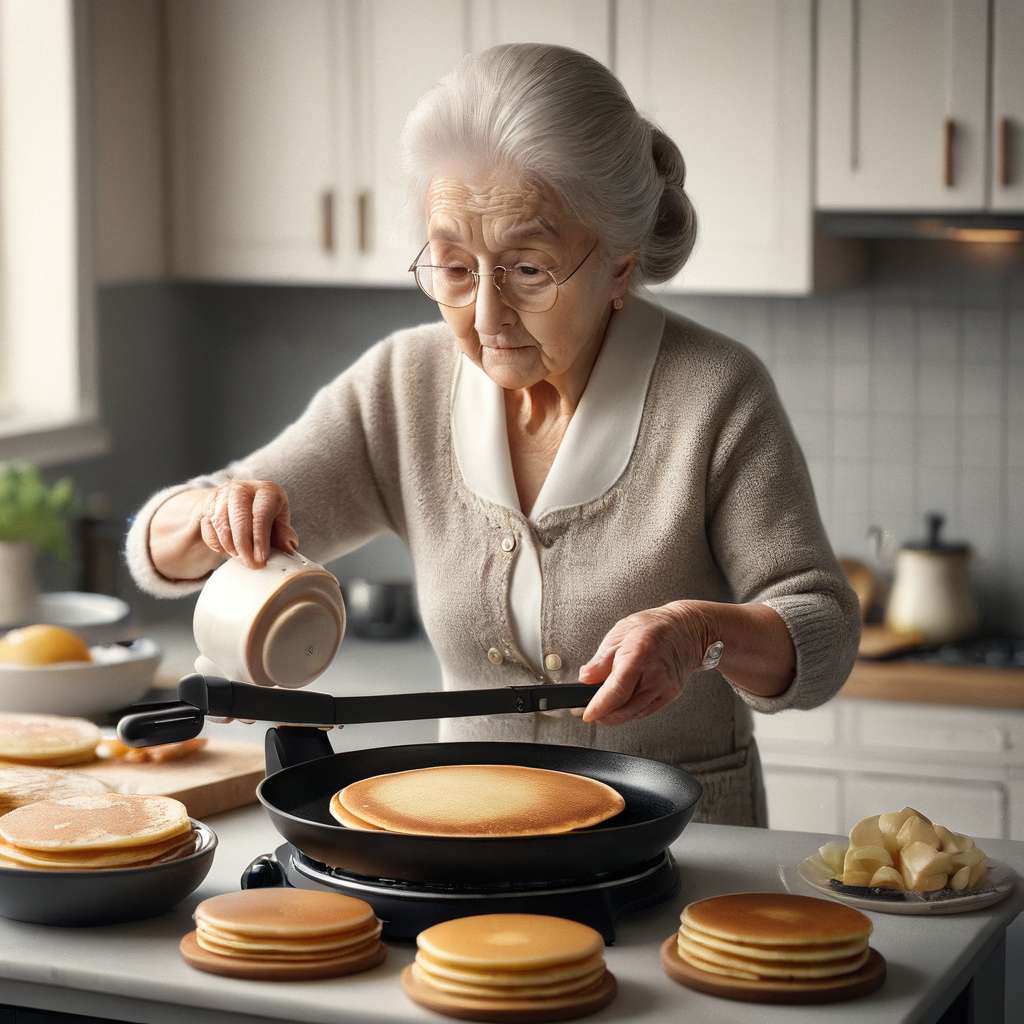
32 510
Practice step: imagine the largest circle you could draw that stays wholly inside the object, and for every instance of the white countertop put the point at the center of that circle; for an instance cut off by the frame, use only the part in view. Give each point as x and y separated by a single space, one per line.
133 972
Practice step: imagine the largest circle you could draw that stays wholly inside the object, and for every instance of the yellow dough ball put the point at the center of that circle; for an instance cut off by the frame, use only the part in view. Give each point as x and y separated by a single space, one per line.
42 645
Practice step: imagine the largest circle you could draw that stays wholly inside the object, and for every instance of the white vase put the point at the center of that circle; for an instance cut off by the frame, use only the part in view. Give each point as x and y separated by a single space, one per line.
19 592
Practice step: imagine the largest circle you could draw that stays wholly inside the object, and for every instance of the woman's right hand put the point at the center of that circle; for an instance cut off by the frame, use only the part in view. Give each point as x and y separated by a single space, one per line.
247 518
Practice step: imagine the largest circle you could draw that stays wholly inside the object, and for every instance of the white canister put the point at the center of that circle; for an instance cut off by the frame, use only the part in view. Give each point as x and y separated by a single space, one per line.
280 625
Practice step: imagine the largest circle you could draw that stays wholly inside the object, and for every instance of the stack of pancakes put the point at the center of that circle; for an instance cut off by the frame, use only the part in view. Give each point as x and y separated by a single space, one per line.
284 933
94 831
476 800
773 937
504 962
21 784
47 740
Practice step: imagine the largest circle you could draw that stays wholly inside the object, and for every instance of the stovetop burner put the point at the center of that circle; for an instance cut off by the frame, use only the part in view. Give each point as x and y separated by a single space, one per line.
406 908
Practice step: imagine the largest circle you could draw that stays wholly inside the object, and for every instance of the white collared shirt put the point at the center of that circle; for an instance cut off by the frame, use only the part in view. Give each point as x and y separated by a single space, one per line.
593 454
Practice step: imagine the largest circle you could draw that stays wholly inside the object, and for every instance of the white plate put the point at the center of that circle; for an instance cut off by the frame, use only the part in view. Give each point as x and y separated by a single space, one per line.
97 618
997 886
115 677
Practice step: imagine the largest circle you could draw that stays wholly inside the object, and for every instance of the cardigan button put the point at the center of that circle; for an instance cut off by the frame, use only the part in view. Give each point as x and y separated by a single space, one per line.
552 662
495 657
508 543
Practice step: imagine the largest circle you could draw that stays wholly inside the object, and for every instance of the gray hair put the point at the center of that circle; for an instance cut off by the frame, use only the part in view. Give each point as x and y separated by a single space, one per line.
562 119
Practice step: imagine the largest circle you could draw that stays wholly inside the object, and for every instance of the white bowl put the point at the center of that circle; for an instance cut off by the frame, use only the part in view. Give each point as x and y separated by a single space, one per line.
117 676
96 618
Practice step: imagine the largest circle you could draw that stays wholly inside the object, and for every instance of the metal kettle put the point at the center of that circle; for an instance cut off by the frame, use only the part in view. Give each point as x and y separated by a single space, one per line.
931 593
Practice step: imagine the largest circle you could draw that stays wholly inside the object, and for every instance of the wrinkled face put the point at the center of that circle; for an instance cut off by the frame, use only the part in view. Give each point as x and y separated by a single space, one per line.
486 222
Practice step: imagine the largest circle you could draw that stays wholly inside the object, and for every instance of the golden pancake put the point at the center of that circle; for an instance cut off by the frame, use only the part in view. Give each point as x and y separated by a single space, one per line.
277 970
759 972
25 784
809 954
509 942
100 822
125 857
776 968
313 947
776 919
47 739
502 979
284 914
348 819
480 800
356 951
525 991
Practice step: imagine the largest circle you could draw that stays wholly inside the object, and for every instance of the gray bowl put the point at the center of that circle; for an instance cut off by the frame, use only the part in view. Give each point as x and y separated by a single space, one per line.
380 611
107 895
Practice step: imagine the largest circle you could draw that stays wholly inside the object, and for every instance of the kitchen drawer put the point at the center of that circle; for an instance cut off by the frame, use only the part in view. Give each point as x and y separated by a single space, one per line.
803 801
820 726
937 729
977 808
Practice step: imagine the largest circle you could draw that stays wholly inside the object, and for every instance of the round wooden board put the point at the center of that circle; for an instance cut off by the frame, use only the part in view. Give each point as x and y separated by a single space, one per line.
508 1011
274 970
826 990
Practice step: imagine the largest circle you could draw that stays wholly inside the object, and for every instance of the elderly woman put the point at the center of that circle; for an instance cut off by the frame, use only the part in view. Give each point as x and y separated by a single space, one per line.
591 489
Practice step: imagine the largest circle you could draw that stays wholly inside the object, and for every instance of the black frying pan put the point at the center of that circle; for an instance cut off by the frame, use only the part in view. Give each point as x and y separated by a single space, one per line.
304 773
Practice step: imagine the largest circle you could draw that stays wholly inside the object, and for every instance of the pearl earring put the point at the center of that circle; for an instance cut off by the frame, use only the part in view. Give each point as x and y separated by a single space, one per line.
616 303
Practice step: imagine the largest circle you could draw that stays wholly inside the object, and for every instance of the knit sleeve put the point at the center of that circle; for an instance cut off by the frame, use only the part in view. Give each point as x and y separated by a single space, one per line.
330 461
767 537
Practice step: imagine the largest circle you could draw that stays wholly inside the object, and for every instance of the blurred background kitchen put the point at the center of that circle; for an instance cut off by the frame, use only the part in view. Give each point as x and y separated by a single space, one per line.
200 221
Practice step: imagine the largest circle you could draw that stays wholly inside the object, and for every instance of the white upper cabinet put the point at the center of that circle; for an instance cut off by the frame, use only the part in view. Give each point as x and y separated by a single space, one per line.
1008 105
255 131
581 24
731 84
902 121
398 49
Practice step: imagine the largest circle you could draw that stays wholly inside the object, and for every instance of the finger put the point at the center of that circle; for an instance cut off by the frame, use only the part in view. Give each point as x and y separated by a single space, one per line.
222 522
283 537
645 701
618 687
240 499
265 506
209 535
597 669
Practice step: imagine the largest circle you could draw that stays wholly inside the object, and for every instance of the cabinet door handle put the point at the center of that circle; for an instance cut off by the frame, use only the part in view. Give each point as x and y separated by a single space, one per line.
327 220
1003 139
949 146
363 220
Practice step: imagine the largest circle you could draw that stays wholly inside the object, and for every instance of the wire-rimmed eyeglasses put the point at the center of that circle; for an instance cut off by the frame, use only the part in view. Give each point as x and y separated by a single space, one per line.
524 286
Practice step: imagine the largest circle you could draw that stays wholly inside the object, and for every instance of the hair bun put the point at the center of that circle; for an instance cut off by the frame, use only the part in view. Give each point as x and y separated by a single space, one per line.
675 225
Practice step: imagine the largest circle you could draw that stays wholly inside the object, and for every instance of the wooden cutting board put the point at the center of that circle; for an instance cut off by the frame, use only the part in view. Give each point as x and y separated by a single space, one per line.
217 778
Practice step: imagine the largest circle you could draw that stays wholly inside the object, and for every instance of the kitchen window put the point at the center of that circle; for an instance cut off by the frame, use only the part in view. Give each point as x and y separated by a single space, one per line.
48 399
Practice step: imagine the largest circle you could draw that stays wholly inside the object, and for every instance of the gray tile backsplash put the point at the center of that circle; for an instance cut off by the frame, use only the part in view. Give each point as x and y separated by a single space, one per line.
905 392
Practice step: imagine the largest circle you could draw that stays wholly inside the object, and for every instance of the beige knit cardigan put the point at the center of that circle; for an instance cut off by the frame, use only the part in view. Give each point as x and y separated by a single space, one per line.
715 503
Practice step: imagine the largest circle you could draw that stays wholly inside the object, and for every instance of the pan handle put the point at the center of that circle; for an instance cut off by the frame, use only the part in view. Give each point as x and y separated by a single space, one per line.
200 695
303 707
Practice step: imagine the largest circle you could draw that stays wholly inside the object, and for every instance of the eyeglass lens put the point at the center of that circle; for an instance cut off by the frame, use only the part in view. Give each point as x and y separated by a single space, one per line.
527 288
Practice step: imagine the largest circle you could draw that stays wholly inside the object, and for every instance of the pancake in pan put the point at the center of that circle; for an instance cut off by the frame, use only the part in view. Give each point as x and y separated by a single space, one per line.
348 819
480 800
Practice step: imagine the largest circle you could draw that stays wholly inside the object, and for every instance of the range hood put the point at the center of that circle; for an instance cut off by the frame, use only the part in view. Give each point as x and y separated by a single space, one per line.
1004 229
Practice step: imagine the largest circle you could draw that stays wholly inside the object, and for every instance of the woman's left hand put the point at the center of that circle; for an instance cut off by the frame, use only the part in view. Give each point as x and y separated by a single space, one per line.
644 661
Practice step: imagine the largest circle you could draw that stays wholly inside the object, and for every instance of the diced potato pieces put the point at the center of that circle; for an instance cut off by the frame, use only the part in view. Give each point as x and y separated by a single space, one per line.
917 830
866 858
866 833
953 842
908 811
887 878
969 858
978 873
960 879
853 877
892 821
833 854
924 868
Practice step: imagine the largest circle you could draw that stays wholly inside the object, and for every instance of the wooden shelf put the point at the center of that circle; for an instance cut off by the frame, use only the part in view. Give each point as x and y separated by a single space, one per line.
927 683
